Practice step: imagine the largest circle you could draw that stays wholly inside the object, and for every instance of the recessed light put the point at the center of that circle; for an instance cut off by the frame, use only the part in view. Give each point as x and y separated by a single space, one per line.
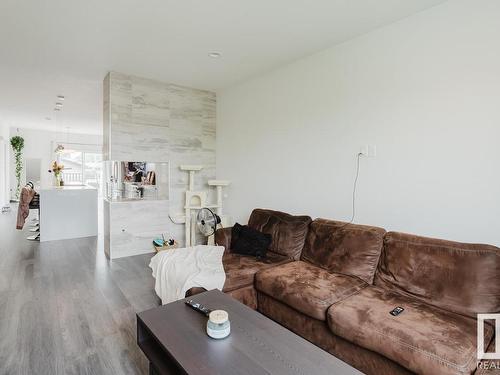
57 109
48 118
59 105
60 97
214 55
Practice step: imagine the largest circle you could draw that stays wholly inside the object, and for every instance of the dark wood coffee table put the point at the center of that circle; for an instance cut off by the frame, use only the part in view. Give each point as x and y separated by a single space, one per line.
174 339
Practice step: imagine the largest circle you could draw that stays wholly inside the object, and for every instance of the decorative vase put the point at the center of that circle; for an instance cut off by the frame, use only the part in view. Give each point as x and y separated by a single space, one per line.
58 180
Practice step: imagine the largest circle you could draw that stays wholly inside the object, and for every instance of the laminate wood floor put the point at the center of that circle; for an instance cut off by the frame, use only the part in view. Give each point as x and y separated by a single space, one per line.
66 309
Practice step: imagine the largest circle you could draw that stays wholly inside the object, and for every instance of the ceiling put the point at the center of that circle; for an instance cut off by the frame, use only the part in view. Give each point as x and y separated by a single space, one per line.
48 48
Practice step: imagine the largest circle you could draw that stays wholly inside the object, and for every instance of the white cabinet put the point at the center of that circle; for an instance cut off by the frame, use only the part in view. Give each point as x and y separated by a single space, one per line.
68 212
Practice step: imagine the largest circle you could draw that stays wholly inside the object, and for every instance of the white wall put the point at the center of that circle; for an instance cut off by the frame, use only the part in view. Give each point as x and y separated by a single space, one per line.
155 121
4 165
40 144
425 91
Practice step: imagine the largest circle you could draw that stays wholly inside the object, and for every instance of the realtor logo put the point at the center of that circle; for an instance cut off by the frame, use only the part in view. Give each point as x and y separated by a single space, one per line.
481 354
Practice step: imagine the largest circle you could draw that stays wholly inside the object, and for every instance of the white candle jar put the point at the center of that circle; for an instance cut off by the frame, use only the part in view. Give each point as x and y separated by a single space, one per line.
218 325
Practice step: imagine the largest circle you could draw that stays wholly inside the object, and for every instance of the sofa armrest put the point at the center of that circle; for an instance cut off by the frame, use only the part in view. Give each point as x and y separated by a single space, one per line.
223 238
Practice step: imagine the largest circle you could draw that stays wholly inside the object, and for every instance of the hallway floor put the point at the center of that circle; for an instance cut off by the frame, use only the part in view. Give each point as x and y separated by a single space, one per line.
65 309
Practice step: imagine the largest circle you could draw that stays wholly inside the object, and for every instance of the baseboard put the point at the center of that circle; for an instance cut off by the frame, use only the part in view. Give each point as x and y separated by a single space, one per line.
130 253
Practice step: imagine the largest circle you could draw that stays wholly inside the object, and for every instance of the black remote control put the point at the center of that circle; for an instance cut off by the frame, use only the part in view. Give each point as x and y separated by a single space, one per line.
398 310
198 307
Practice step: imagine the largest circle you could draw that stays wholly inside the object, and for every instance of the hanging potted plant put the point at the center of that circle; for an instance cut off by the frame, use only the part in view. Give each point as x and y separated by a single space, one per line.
17 143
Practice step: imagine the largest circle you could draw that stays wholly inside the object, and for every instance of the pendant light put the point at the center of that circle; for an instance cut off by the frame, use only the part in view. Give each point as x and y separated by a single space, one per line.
60 148
66 149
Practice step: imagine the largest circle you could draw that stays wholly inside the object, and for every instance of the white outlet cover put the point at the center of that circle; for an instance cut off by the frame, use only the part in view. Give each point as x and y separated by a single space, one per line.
372 151
363 150
369 151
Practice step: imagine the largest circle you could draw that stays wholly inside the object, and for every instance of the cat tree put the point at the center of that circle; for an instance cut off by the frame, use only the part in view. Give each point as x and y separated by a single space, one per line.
196 200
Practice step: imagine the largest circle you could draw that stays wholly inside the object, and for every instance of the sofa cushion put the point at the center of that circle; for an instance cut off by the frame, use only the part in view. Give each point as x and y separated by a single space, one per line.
307 288
240 270
246 295
288 232
345 248
317 332
223 238
464 278
423 338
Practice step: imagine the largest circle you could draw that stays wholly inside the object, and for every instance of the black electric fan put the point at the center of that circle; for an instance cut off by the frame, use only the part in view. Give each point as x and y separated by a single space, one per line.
207 221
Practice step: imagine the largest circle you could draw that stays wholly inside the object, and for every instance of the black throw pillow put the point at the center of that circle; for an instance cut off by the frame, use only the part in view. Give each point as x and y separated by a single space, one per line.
249 241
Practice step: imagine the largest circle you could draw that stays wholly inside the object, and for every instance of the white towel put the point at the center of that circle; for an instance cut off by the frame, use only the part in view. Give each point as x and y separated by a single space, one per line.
178 270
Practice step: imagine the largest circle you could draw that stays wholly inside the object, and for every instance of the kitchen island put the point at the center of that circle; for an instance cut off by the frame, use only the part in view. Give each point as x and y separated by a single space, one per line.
68 212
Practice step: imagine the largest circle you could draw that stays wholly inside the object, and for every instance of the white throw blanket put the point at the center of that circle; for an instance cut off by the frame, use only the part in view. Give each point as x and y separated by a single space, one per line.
178 270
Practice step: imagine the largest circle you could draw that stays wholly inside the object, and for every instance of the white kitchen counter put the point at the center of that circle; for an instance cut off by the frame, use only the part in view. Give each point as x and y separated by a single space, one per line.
68 212
69 187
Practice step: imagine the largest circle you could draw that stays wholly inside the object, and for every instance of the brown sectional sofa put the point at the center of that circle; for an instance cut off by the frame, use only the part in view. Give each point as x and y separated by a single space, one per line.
288 235
335 284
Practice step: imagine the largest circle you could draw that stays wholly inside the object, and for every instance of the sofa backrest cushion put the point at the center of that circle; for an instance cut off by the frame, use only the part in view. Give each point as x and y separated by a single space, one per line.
350 249
288 232
459 277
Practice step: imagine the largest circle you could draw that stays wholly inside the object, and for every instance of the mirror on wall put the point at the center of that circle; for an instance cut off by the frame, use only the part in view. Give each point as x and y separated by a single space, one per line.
136 180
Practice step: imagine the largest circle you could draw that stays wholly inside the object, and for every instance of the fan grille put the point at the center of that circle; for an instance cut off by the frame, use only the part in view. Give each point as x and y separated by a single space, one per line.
207 221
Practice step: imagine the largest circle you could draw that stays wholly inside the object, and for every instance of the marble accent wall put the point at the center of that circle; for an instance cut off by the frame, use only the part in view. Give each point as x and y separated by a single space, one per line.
147 120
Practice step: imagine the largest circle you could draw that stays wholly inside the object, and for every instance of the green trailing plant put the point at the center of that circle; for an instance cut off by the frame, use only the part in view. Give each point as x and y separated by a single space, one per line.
17 144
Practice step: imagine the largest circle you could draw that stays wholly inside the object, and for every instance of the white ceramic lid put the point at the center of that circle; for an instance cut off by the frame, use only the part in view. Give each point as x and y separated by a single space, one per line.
218 316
